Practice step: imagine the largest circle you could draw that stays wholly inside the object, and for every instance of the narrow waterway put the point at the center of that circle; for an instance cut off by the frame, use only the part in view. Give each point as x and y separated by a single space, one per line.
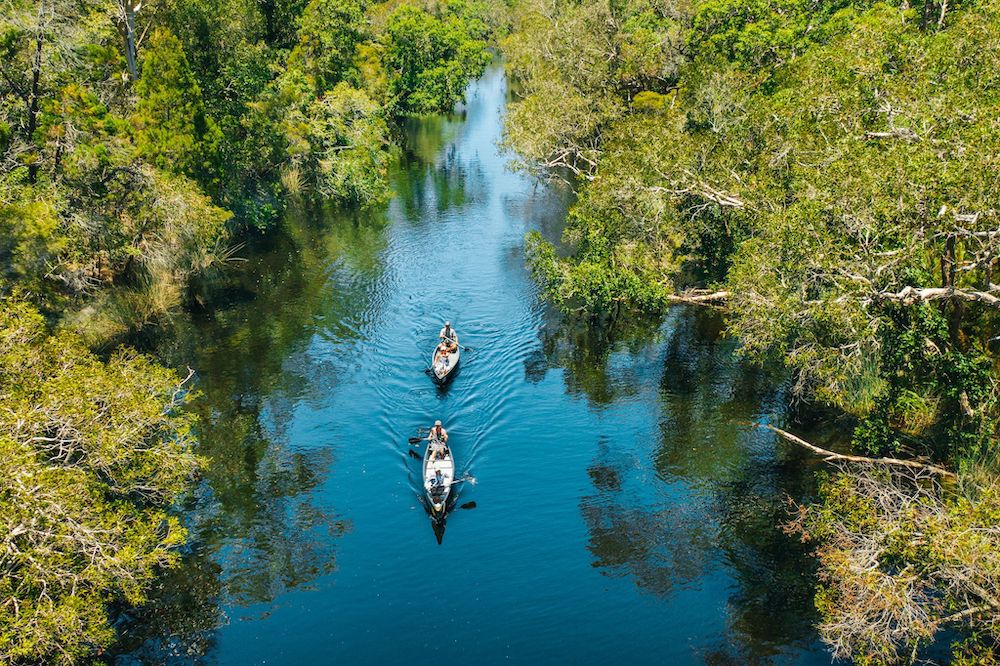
623 512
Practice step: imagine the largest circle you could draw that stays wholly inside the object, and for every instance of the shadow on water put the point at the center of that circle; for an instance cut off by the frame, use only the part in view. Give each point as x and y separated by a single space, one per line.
710 494
255 528
438 526
587 349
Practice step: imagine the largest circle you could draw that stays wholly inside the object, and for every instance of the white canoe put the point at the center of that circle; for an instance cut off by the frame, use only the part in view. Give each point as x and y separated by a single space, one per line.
438 489
441 369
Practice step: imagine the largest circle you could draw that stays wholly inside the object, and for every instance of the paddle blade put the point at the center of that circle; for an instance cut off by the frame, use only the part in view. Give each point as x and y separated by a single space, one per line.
468 505
415 440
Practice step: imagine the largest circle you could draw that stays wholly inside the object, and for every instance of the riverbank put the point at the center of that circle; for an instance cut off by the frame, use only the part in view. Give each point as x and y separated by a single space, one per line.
622 511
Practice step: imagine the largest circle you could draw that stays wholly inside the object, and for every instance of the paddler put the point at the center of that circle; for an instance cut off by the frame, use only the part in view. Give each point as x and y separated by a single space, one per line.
438 441
447 332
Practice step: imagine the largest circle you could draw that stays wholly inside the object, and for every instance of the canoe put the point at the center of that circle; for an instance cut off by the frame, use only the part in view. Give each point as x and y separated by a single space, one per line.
437 491
442 370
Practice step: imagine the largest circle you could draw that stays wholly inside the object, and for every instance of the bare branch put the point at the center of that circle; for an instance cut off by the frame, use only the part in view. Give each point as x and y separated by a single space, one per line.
831 455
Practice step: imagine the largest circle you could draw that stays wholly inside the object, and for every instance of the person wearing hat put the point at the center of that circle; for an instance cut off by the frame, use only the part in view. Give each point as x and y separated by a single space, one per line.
438 438
447 333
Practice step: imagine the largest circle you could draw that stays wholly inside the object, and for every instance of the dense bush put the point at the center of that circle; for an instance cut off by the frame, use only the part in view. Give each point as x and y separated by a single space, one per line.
92 454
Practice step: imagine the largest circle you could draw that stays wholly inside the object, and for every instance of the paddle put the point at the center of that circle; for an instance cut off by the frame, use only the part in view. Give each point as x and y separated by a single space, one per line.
416 440
460 345
471 479
468 505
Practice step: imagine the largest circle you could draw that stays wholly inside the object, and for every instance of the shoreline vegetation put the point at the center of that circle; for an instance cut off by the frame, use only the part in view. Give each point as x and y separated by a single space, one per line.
140 144
825 175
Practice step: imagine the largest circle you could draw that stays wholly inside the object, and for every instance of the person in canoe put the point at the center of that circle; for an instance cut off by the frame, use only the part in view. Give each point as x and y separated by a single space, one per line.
438 438
447 333
448 346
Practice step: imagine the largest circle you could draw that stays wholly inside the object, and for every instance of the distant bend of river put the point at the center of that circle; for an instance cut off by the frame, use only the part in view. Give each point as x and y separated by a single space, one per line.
622 512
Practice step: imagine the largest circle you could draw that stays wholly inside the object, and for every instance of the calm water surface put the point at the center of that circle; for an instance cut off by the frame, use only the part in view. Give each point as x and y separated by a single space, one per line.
622 511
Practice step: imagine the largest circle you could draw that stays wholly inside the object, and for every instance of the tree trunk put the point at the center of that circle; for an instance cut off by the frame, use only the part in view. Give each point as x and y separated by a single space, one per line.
36 76
128 9
832 456
949 267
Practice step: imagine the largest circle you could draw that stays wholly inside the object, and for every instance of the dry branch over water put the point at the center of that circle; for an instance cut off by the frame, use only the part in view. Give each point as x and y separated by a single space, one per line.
832 456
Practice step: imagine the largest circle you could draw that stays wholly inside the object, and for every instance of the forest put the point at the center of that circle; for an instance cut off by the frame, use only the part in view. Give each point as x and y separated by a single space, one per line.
822 173
140 145
825 173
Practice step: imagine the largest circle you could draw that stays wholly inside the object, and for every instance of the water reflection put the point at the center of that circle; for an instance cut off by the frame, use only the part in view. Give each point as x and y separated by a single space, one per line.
256 526
706 499
660 546
587 351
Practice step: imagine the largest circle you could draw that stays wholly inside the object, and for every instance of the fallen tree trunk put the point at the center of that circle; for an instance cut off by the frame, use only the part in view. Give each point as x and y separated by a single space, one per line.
699 297
830 455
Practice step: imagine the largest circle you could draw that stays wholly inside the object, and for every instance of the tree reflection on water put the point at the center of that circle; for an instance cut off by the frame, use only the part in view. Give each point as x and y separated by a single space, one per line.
708 495
256 527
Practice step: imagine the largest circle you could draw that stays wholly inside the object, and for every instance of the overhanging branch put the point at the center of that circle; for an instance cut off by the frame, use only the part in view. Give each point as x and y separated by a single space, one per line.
831 455
914 295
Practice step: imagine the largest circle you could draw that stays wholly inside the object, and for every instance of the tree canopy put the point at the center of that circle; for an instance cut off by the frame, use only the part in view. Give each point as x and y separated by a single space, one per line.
223 107
92 454
826 170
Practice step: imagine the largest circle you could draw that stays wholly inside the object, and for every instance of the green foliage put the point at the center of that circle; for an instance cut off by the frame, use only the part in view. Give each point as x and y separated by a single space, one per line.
815 181
762 33
329 32
339 141
576 67
928 390
91 455
237 105
431 59
172 130
31 240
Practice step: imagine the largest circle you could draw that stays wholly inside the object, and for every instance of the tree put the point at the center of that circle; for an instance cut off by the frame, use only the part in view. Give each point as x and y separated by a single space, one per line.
329 32
91 456
577 66
431 59
902 559
172 130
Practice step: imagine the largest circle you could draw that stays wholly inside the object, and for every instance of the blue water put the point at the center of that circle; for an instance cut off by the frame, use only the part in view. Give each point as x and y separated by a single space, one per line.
623 510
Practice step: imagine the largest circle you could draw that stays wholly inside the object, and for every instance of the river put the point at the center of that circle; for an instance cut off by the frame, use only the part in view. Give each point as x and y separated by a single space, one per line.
623 510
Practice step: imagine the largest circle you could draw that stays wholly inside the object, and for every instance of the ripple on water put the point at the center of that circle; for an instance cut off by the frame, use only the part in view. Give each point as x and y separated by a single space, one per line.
622 513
